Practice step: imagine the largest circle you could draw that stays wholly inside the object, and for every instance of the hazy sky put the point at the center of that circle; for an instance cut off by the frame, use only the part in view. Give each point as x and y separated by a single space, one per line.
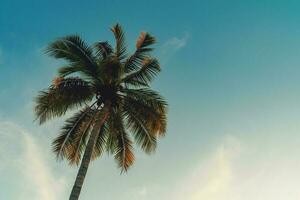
231 74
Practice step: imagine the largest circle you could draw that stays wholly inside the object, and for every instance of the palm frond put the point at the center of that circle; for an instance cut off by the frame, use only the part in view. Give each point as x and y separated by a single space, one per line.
121 145
70 143
69 69
147 106
124 151
73 49
120 49
136 122
111 141
147 97
134 62
144 41
150 68
79 143
101 141
69 93
103 49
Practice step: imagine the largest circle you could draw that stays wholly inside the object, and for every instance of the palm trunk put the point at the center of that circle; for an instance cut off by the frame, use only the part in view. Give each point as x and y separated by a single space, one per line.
87 158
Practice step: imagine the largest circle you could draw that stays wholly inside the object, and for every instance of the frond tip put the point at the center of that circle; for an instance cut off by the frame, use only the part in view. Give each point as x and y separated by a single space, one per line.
103 49
144 40
120 49
143 49
150 68
124 152
74 50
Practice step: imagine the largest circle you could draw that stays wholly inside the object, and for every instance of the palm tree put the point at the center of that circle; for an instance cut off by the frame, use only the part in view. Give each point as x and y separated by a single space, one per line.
112 95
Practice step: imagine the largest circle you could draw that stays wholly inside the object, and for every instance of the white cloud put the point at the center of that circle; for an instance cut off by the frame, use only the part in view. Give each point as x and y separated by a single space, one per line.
37 171
218 179
212 178
24 155
235 172
176 43
172 46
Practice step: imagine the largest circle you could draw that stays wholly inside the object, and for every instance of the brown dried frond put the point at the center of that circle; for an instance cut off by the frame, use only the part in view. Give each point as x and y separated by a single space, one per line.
57 81
141 39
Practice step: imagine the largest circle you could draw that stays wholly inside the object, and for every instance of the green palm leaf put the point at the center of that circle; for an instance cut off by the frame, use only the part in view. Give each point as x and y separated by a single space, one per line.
137 124
103 49
150 68
134 62
68 94
120 49
122 145
73 135
149 107
101 141
77 52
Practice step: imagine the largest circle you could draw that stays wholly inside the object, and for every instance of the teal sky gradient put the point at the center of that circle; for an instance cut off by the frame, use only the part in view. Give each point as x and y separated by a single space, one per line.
231 74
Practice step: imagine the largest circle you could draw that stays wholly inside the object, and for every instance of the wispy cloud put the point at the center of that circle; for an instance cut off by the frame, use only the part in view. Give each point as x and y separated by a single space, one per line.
235 172
176 43
212 178
170 47
218 177
38 172
30 163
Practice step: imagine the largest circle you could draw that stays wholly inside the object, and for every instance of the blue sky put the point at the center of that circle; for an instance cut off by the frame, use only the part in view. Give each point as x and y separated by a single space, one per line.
231 76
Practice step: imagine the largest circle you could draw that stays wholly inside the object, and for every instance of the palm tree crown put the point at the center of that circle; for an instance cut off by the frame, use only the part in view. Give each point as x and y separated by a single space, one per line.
111 92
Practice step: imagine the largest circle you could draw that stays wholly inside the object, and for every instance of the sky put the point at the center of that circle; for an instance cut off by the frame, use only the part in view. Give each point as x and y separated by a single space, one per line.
231 75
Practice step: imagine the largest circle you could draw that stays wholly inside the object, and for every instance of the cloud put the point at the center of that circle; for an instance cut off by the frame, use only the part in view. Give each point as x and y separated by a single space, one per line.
212 178
23 154
219 173
38 173
176 43
238 171
172 46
